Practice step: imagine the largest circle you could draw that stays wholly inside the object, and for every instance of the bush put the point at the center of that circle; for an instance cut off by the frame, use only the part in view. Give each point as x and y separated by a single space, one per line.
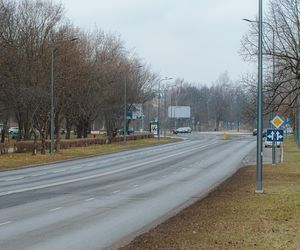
28 146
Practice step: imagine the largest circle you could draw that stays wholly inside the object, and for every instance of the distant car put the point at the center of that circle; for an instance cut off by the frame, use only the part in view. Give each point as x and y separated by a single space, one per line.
268 144
264 133
288 130
14 132
182 130
130 130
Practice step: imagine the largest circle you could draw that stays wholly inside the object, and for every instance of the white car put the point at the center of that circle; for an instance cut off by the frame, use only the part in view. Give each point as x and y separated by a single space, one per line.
183 130
268 144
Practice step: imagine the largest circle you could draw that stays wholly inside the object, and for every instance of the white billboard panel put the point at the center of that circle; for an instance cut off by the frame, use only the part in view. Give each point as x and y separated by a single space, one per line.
179 112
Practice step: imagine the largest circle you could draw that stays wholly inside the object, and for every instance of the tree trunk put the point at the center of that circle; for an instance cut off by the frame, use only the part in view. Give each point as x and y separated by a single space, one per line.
34 149
68 129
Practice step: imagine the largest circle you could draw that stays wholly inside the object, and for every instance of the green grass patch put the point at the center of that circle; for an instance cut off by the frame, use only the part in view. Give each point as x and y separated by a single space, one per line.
18 160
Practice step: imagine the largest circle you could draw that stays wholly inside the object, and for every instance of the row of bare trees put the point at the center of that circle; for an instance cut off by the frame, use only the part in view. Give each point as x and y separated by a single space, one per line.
281 49
223 102
38 47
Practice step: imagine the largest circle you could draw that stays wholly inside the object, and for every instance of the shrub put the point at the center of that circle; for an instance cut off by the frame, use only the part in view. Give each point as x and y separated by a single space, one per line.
28 146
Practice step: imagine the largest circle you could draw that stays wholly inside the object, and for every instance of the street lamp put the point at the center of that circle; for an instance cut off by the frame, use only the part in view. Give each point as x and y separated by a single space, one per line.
273 72
259 152
125 107
53 50
158 106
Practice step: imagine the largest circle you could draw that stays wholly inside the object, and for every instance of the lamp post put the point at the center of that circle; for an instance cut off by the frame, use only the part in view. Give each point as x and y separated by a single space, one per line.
158 106
273 74
125 112
53 50
52 103
259 152
125 107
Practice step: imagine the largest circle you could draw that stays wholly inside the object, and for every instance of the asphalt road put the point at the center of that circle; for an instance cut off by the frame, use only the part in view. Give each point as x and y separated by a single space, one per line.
98 202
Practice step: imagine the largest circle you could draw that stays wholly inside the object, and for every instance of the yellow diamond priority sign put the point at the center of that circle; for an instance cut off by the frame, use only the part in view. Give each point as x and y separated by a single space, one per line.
277 121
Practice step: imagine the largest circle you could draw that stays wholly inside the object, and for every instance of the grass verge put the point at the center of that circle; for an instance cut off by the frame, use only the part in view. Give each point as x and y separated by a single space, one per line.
234 217
18 160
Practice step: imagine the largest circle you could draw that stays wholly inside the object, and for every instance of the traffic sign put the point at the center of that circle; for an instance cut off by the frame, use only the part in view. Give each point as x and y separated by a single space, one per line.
287 121
277 121
274 135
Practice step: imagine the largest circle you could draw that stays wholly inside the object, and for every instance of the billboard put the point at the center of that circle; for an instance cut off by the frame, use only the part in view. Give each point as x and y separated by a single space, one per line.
179 112
137 111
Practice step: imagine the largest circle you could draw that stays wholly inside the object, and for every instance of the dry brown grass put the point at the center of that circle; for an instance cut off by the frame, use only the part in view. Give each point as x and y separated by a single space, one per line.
19 160
234 217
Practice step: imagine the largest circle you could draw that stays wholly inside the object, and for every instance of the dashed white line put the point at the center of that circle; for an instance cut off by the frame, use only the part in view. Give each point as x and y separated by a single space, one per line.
90 199
117 191
36 175
76 167
59 171
14 179
5 223
55 209
135 186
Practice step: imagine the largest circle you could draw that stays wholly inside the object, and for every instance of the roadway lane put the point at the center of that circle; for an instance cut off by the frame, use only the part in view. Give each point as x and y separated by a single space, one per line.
95 202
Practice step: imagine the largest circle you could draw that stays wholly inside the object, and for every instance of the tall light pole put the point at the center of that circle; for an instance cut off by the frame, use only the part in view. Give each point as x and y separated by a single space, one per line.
259 152
52 103
53 50
259 164
158 106
273 74
125 107
125 112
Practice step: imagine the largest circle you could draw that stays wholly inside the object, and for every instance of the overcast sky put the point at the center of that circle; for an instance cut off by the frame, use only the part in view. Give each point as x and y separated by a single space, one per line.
192 39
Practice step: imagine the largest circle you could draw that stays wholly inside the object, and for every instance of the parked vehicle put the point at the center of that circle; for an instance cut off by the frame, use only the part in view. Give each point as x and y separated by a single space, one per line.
14 132
130 130
264 133
268 144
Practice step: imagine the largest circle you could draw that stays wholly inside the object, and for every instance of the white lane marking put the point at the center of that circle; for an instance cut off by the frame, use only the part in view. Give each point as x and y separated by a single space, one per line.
55 209
135 186
59 171
36 175
158 159
5 223
117 191
76 167
90 199
183 169
15 179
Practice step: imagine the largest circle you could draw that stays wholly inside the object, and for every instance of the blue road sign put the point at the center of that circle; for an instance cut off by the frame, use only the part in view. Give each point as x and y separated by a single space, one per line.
287 121
274 135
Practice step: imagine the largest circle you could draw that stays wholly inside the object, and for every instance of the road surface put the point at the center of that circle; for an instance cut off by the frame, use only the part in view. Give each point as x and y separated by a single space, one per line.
97 202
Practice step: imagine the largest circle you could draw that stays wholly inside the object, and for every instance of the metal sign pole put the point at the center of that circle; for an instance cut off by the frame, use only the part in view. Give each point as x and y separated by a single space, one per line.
259 163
